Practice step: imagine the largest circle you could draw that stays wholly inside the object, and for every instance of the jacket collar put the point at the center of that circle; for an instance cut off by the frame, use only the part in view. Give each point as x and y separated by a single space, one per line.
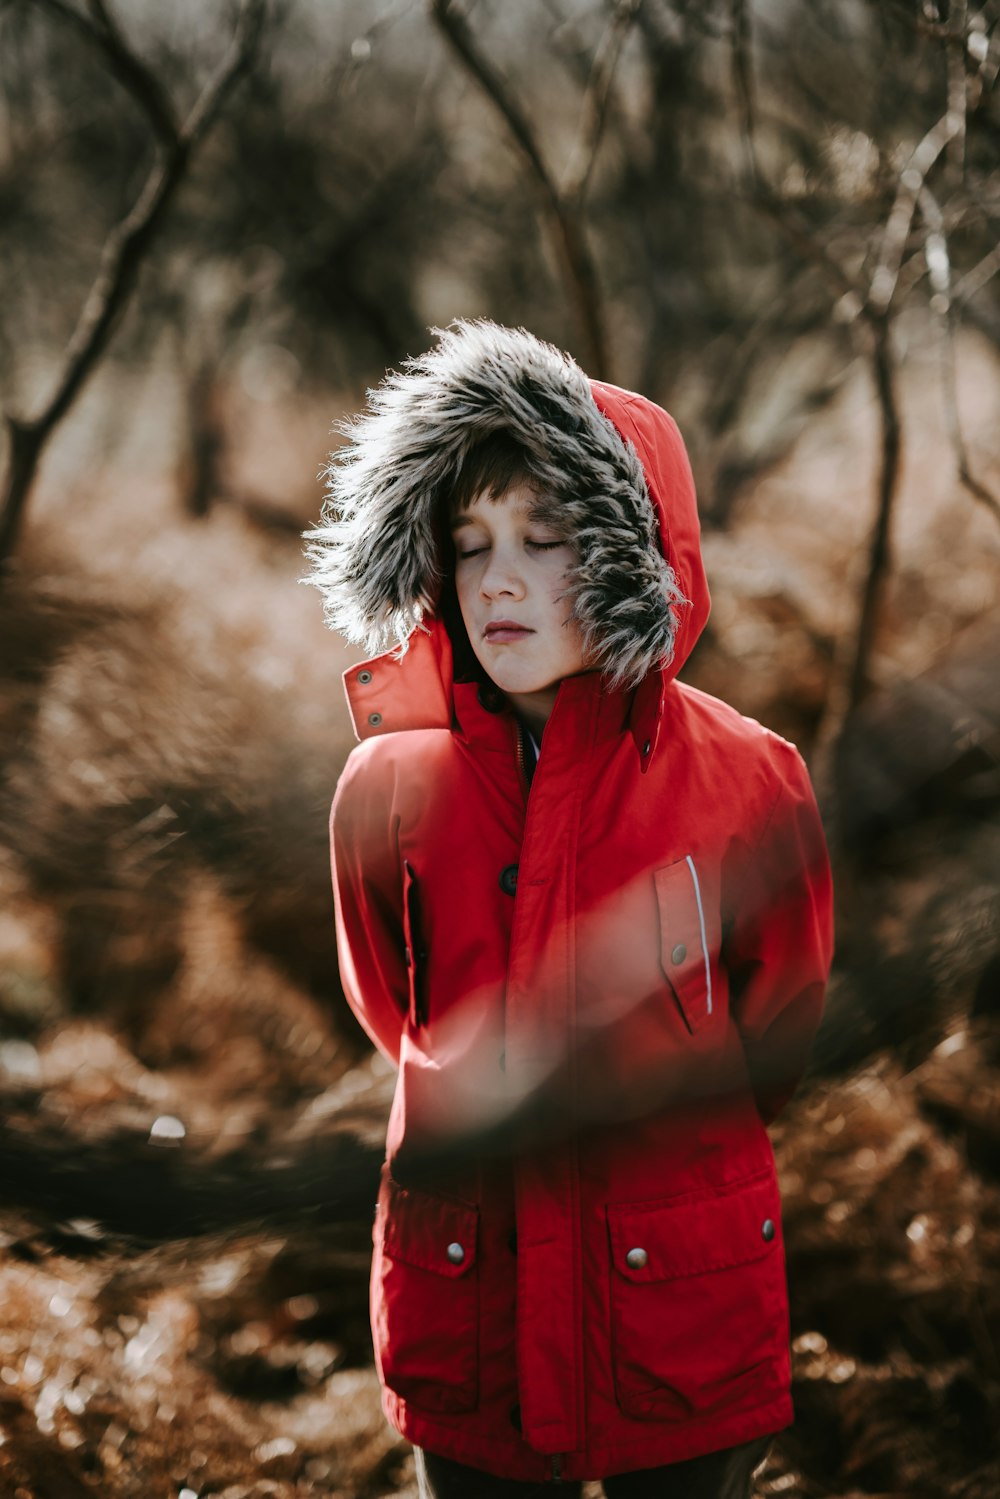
390 693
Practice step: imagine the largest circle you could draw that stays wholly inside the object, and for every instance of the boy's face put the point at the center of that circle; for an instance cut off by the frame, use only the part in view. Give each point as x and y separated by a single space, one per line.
510 570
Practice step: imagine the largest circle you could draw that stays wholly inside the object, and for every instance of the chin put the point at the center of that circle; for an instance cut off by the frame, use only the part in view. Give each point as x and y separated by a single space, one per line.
515 681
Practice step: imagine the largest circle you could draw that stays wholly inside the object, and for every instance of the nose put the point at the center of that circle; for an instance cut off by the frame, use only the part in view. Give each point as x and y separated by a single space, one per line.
501 576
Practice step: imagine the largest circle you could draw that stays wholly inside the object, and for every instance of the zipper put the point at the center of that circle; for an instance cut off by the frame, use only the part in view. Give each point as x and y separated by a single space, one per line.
519 745
557 1467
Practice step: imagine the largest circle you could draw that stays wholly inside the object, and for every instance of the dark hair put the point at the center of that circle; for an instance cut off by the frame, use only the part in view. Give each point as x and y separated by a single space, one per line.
495 463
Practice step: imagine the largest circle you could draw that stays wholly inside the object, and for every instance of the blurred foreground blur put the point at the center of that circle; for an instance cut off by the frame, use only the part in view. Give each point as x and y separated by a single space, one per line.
192 1120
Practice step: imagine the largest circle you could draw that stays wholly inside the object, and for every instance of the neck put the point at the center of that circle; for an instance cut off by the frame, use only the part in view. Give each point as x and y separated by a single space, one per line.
533 708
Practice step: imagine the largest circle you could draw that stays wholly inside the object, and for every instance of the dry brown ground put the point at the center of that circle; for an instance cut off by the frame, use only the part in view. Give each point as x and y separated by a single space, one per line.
172 727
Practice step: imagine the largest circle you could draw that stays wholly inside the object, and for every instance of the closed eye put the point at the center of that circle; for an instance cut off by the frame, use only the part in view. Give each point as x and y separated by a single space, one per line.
537 546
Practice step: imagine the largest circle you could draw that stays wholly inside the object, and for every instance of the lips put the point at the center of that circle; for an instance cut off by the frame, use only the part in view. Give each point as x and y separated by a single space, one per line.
499 630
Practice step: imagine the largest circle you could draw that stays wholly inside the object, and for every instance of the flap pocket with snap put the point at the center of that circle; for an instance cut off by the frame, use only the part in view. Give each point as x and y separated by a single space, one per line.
699 1307
430 1232
425 1298
712 1231
689 937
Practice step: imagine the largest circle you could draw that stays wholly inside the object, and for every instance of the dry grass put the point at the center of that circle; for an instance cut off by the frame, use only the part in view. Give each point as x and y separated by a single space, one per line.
173 726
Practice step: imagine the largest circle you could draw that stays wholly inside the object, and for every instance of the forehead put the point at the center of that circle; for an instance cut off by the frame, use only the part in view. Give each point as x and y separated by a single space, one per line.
516 503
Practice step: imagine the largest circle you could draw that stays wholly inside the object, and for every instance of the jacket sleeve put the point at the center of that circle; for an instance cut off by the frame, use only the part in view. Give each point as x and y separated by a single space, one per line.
780 947
368 908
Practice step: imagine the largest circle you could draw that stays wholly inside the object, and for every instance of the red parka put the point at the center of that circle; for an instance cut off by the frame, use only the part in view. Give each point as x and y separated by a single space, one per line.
625 955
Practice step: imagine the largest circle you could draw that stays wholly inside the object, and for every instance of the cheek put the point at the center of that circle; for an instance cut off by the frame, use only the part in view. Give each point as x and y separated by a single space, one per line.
464 590
561 602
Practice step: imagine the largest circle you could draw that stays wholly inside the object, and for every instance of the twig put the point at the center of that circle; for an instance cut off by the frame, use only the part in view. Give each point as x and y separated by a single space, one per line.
878 554
570 236
957 92
975 279
595 104
743 85
942 302
102 32
129 241
886 274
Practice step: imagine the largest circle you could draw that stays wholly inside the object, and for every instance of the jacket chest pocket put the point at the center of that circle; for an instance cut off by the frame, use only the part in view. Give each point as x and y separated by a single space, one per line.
415 951
425 1298
690 936
699 1302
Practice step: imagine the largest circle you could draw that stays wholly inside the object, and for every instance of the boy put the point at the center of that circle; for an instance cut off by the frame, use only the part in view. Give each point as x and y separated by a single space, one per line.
618 954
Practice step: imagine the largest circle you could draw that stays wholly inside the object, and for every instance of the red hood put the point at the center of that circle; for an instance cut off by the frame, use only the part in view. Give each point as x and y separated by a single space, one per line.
415 690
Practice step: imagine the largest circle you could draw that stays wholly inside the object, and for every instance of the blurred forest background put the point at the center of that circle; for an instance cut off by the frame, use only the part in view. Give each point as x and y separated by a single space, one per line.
218 224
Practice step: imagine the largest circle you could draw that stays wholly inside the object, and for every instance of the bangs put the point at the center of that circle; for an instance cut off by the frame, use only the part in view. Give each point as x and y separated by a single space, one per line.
494 465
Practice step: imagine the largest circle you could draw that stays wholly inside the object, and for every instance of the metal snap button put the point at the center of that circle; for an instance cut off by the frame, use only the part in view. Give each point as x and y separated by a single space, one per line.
374 719
636 1258
364 677
508 879
679 953
767 1228
456 1253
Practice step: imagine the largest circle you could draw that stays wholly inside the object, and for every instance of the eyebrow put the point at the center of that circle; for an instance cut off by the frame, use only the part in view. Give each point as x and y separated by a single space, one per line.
464 519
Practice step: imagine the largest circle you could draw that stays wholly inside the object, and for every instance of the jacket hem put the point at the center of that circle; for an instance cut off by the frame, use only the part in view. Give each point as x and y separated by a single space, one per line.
655 1443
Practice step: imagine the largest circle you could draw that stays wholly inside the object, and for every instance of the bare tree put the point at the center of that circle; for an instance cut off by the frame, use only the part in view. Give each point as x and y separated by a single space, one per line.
870 299
564 201
129 242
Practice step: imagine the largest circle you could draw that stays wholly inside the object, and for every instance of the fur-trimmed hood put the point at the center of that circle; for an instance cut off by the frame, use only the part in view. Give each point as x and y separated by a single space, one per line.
612 466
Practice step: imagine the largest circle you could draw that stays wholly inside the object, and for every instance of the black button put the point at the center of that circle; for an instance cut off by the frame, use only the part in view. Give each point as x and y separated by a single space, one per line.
515 1417
508 879
767 1228
512 1241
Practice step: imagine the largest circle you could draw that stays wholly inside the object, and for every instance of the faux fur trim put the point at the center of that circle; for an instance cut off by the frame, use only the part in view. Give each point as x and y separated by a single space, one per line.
374 556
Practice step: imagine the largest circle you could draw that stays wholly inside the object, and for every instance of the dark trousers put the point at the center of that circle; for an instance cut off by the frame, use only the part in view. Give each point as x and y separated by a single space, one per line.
726 1474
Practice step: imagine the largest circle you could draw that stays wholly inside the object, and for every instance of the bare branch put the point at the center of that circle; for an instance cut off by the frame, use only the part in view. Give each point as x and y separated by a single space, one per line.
235 64
102 32
897 228
990 64
743 85
852 664
125 247
784 215
957 92
883 368
570 236
939 270
456 29
974 280
595 104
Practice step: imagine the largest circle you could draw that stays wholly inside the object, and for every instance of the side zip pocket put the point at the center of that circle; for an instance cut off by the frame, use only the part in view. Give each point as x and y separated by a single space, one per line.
690 936
416 952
